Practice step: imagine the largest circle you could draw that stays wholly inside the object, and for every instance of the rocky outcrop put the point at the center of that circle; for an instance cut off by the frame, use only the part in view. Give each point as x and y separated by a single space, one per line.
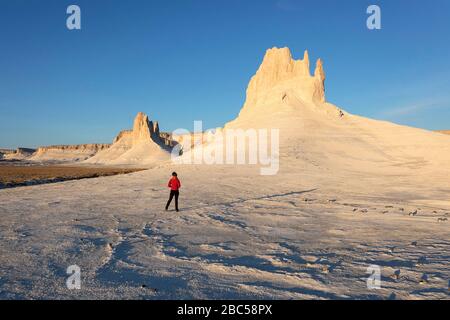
18 154
4 152
123 135
145 130
282 89
168 139
92 147
319 88
142 145
280 70
142 129
156 127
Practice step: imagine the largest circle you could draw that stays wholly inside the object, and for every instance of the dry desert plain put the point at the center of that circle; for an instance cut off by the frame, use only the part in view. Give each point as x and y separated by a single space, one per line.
349 193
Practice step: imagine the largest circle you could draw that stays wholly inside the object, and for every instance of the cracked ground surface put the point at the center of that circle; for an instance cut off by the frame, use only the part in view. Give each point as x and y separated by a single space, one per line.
238 235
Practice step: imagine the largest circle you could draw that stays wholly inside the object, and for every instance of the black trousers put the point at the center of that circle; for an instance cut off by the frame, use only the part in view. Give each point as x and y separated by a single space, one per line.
172 194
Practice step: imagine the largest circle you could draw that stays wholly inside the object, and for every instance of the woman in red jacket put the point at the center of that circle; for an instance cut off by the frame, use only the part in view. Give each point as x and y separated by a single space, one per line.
174 185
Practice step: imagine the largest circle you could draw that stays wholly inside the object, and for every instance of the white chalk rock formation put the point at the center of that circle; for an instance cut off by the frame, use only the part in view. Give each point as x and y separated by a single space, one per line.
284 88
278 72
284 95
143 145
17 154
142 129
6 153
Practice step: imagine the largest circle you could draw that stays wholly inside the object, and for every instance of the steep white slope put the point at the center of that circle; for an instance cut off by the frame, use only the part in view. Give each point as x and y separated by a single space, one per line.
283 95
142 153
122 143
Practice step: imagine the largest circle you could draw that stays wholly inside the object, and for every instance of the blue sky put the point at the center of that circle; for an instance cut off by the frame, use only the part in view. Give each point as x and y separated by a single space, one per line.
186 60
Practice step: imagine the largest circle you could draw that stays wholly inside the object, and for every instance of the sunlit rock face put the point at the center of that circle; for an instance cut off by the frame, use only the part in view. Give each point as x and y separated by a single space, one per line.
280 72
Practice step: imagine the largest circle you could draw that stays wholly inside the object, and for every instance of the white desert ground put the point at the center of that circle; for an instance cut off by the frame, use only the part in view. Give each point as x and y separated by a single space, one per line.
350 192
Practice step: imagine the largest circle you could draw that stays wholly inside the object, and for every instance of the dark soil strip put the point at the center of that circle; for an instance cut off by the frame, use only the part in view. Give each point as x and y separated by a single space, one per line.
18 176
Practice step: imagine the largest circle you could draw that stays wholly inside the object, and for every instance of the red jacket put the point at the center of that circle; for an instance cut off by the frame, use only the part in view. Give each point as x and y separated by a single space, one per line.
174 184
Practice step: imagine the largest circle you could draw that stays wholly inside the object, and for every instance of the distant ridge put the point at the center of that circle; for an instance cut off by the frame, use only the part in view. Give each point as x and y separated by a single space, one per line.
67 153
17 154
